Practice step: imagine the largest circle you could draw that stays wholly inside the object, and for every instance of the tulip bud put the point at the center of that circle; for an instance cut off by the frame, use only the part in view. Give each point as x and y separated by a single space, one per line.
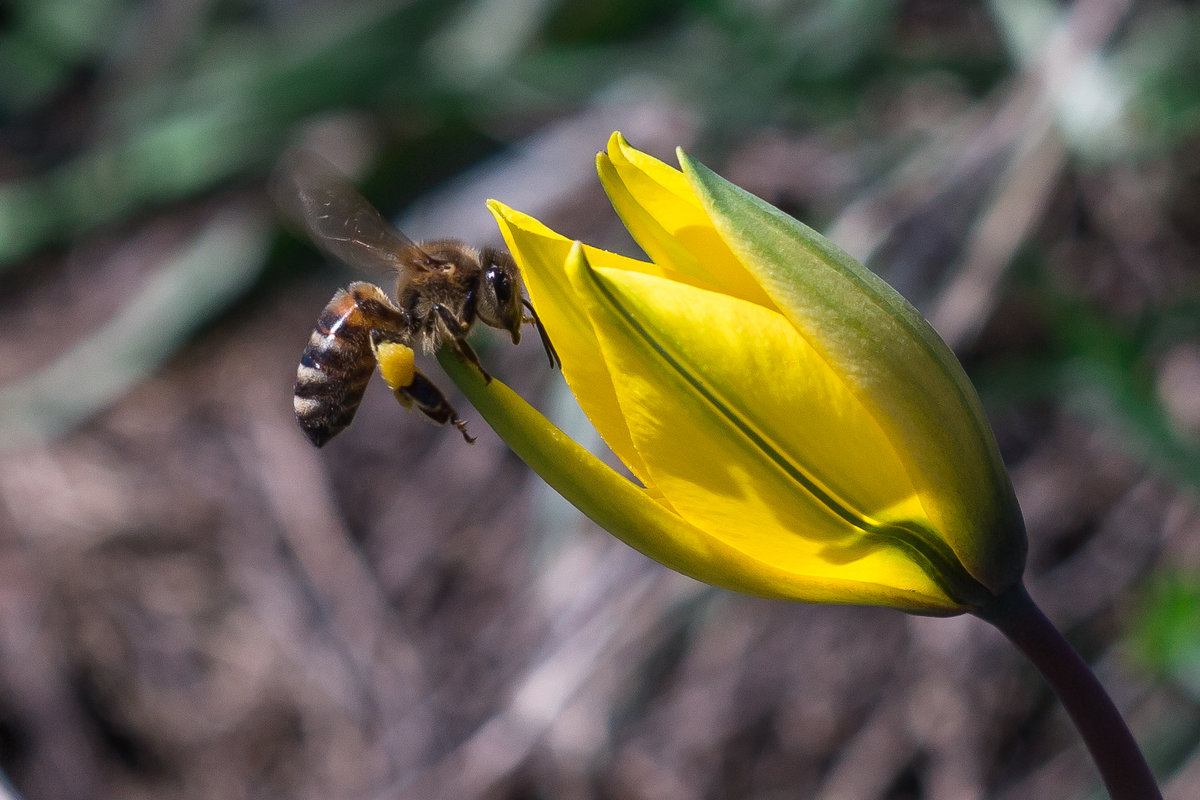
798 429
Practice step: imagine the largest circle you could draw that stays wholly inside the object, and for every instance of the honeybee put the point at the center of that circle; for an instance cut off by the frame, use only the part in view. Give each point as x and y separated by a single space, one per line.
442 288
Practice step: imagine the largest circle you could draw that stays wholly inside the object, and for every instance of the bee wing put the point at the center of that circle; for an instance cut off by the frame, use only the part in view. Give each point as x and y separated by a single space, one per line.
312 194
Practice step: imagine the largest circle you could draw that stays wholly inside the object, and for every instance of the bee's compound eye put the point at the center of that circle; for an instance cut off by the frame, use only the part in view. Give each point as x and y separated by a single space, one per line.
500 293
501 284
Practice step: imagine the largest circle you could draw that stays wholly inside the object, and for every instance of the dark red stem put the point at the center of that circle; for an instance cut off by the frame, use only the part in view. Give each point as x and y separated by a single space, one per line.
1121 763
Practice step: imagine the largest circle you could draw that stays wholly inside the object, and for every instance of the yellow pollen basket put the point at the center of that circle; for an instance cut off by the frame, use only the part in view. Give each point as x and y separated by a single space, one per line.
397 364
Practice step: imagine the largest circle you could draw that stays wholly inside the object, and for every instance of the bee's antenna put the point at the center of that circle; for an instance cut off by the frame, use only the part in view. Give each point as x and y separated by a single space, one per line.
555 361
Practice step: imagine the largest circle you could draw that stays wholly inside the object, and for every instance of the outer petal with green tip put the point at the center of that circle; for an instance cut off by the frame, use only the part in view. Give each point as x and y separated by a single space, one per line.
888 355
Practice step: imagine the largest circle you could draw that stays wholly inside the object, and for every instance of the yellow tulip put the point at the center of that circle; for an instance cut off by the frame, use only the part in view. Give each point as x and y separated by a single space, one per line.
797 429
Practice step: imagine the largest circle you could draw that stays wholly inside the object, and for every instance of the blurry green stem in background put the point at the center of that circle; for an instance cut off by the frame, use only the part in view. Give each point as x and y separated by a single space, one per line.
190 286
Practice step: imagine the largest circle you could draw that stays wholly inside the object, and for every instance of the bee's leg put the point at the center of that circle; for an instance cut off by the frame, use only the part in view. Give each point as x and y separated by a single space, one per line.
409 385
555 361
430 401
458 338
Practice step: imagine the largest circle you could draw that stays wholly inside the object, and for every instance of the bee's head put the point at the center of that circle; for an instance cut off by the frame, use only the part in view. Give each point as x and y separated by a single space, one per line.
499 301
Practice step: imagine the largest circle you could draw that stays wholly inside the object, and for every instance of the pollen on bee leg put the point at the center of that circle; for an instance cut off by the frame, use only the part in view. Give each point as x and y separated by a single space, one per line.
396 364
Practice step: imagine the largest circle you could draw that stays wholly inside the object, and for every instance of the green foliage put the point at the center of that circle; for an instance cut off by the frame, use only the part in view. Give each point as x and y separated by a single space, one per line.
1167 632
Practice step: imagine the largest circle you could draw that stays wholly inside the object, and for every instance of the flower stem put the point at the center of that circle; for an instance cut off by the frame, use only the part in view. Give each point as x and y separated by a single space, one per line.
1122 765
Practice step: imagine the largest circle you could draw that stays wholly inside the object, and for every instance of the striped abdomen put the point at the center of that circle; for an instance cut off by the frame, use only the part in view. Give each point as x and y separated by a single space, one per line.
338 361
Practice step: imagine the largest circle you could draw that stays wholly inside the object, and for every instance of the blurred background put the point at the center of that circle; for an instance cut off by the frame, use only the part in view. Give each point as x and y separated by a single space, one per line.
195 603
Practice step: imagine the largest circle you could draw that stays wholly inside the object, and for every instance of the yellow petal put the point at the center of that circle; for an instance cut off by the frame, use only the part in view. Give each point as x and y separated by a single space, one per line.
752 438
662 212
541 253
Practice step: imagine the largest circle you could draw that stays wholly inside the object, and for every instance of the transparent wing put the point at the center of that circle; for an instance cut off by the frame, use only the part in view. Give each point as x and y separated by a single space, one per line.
312 194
